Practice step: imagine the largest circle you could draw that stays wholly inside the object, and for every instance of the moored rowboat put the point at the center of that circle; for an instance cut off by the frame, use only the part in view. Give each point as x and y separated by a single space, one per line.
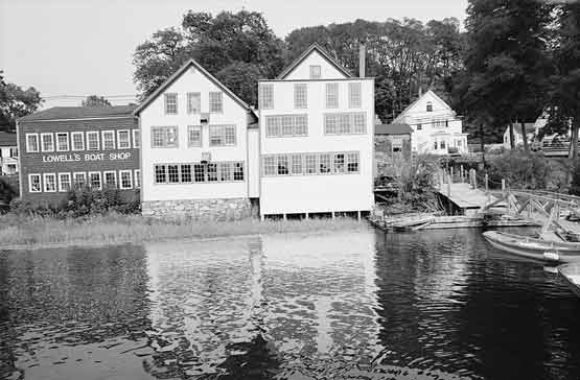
571 274
534 248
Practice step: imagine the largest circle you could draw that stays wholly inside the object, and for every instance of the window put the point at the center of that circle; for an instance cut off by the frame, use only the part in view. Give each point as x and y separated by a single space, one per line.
332 95
137 178
315 72
439 123
215 102
123 139
78 141
310 163
429 107
269 163
345 123
34 185
283 164
338 164
296 167
125 179
325 163
32 142
300 95
50 182
225 171
238 171
266 96
160 175
64 182
47 142
186 173
286 126
164 137
353 162
199 173
419 127
194 135
446 123
93 140
109 140
212 172
110 179
442 144
95 180
79 179
222 135
136 139
171 104
435 145
14 152
62 143
354 95
193 102
173 173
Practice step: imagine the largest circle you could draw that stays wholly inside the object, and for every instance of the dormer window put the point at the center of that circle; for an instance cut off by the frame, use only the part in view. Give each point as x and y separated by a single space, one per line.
429 107
315 72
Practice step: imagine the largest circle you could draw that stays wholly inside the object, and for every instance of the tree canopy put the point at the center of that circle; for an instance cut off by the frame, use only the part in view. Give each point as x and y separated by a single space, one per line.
95 101
16 102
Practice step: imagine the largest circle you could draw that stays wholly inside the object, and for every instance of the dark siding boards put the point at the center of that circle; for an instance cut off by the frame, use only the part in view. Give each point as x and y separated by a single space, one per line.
36 163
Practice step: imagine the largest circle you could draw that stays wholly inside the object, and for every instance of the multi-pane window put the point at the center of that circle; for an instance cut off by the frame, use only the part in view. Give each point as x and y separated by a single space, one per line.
332 95
109 140
95 180
137 178
78 141
315 72
124 139
164 137
354 95
34 184
64 182
222 135
32 142
171 104
442 144
110 179
79 179
194 135
47 141
125 179
193 102
212 172
62 143
440 123
93 140
310 164
419 127
286 126
429 107
266 96
300 95
345 123
215 102
49 182
136 139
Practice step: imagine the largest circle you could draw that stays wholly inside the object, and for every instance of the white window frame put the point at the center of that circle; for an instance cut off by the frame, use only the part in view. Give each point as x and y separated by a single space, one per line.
46 182
267 96
166 97
60 182
130 174
105 184
165 137
128 132
332 94
104 139
42 136
355 95
93 133
57 143
189 142
137 181
28 150
90 182
224 142
39 183
315 71
72 140
190 108
300 96
74 180
136 138
213 97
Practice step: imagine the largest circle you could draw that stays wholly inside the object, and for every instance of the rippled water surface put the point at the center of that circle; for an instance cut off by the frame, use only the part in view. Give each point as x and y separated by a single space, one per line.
344 305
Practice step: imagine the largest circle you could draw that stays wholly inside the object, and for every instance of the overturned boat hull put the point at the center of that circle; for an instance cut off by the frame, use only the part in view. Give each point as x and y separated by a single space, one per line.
571 275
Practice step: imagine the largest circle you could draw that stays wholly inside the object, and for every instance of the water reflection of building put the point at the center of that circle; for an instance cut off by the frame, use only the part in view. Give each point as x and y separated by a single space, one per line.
295 298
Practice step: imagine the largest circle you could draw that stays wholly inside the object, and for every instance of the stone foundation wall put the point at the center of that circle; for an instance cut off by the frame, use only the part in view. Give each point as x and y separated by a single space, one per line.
202 209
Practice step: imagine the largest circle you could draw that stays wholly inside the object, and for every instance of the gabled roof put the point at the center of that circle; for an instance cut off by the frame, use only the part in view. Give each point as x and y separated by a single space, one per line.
429 92
58 113
177 74
393 129
314 47
8 139
530 128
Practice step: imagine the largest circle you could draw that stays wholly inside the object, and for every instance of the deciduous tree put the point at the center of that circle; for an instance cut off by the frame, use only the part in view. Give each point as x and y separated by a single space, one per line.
95 101
16 102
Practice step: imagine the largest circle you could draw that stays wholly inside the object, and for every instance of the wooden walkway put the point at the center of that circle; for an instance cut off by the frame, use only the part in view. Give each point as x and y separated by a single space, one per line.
465 197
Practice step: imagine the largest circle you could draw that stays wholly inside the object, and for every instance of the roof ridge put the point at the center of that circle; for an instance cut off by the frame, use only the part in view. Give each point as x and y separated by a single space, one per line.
325 54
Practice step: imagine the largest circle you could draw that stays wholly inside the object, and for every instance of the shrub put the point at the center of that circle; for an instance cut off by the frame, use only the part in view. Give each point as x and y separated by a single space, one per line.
520 169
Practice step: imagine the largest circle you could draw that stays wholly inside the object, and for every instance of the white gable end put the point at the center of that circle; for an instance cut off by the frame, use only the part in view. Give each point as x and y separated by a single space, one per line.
327 69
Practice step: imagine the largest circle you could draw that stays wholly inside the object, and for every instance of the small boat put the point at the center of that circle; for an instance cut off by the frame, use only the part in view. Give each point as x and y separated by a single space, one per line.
571 274
534 248
408 222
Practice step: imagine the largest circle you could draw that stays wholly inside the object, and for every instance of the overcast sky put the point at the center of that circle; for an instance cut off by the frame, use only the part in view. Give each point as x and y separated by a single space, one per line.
82 47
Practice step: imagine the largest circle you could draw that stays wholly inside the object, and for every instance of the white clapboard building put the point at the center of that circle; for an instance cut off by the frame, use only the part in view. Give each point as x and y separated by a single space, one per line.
316 138
198 141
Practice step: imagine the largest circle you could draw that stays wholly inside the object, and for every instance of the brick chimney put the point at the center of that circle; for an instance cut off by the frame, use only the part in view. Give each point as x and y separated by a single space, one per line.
362 61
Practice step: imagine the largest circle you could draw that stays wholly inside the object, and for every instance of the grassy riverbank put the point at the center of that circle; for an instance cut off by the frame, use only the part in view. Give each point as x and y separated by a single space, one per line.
30 232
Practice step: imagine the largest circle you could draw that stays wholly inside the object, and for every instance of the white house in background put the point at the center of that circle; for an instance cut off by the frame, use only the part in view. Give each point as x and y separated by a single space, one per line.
198 140
8 153
316 138
436 127
531 132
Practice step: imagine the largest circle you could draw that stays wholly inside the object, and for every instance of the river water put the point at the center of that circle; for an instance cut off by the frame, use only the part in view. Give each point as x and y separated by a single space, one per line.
340 305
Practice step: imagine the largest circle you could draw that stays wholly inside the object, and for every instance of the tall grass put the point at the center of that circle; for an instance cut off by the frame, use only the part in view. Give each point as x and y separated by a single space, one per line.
25 231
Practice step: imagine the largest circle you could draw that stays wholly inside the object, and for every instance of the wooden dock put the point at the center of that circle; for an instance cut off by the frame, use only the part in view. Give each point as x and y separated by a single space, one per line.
466 198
